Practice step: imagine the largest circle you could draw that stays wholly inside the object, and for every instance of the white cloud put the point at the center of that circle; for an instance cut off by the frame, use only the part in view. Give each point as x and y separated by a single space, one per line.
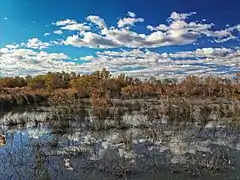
35 43
14 46
91 40
58 32
160 27
129 21
47 34
135 62
72 25
27 61
178 31
76 27
97 20
145 63
180 16
178 25
5 18
131 14
3 51
64 22
201 53
87 58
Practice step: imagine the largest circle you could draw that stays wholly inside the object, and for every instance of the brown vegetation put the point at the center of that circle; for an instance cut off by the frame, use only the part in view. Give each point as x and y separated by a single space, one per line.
30 90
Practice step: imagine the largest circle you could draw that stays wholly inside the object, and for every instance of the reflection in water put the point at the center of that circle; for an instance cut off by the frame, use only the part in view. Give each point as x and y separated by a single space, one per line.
70 149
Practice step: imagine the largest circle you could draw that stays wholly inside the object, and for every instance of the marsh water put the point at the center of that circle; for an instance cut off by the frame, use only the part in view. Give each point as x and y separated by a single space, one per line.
38 148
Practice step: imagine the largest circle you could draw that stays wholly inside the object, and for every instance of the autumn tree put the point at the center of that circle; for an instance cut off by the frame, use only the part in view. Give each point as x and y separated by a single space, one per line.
37 82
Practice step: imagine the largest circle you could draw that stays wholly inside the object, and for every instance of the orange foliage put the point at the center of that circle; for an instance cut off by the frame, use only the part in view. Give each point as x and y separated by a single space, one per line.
121 86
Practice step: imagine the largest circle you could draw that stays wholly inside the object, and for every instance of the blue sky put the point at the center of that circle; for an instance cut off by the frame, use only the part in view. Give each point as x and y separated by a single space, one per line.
138 37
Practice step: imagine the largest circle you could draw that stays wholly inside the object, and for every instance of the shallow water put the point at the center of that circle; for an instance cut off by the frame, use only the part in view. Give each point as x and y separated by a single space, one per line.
69 149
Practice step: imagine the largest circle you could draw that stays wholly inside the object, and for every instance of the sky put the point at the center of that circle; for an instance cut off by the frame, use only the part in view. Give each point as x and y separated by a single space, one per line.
141 38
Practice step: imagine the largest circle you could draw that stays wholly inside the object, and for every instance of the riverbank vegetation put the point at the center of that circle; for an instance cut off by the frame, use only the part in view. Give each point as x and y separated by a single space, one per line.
101 84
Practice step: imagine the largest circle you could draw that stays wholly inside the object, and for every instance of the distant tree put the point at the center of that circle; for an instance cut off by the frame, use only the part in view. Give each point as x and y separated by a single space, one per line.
37 82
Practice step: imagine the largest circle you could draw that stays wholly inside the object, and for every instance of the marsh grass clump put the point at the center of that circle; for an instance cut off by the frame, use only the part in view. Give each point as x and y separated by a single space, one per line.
122 167
11 122
170 111
152 133
40 165
117 113
21 121
153 125
215 162
60 127
205 163
228 111
64 106
118 167
100 108
54 143
129 107
127 139
221 110
236 113
136 106
205 114
152 112
179 110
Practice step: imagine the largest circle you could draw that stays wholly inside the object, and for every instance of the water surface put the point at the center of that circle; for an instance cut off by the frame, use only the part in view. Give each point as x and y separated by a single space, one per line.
38 148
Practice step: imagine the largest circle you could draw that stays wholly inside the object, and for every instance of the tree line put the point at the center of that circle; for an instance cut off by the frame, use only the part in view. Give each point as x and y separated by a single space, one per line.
102 82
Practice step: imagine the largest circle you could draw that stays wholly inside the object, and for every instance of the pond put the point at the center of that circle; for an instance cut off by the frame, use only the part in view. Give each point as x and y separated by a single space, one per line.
39 148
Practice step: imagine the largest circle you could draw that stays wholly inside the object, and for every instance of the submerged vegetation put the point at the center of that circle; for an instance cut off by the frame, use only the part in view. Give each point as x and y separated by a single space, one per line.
107 137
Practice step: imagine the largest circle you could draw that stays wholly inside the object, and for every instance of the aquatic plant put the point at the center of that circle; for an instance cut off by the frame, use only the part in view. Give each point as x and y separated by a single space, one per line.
100 107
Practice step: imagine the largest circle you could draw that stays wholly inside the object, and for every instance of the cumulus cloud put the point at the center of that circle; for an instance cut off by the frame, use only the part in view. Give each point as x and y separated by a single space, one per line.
180 16
58 32
131 14
91 40
178 30
139 60
27 61
129 21
97 20
146 63
76 27
47 34
35 43
160 27
13 46
179 25
87 58
136 62
64 22
72 25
